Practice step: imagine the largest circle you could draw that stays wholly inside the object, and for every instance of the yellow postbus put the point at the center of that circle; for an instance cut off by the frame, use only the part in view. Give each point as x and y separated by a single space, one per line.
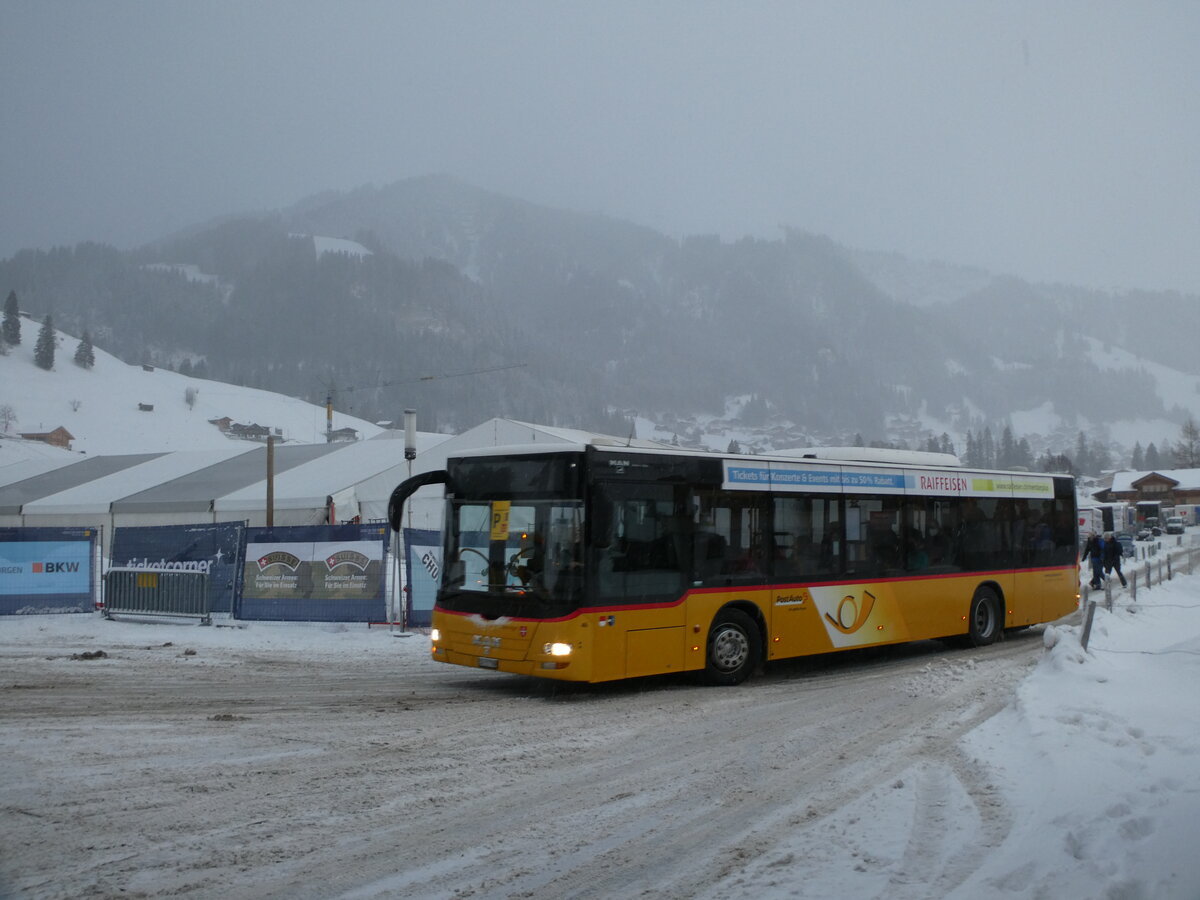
600 560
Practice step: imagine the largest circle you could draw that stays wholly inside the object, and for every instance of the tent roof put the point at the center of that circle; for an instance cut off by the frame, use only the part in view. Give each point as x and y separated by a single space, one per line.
13 472
313 482
358 475
98 496
196 491
16 495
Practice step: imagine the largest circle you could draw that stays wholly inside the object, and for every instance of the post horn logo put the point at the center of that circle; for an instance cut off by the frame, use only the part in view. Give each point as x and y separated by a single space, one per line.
850 615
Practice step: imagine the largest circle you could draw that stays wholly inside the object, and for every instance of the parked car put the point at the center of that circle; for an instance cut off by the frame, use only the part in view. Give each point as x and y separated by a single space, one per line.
1144 535
1125 539
1175 525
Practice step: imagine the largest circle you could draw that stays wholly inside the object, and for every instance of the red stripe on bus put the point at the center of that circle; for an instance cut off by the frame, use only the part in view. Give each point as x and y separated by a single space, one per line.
782 585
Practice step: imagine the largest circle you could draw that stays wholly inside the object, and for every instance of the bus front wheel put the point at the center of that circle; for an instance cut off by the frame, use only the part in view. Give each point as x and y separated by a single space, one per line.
733 648
984 620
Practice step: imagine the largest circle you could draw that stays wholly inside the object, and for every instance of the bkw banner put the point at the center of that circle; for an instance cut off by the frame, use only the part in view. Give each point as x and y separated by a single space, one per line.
315 573
47 570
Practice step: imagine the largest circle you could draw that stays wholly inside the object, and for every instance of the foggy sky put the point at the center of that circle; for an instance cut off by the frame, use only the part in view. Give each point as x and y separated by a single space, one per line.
1051 140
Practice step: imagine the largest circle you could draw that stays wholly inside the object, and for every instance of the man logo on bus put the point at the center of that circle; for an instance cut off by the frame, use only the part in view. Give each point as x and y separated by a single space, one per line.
851 616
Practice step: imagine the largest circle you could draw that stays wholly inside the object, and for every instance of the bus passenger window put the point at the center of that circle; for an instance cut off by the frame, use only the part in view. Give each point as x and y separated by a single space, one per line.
808 537
873 536
641 554
731 538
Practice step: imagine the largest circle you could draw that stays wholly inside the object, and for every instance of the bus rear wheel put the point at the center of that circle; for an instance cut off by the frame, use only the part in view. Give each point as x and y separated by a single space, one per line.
984 620
733 648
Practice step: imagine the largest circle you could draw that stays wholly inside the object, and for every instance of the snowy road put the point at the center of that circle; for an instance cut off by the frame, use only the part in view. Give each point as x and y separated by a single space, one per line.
320 772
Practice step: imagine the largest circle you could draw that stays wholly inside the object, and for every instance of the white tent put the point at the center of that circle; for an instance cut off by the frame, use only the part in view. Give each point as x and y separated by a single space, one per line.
322 490
28 468
312 483
91 502
36 485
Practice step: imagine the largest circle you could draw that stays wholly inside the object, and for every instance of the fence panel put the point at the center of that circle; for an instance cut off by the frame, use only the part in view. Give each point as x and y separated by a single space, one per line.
48 570
157 592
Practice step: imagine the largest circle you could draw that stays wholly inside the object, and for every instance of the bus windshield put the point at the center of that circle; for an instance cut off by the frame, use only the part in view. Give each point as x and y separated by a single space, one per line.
531 549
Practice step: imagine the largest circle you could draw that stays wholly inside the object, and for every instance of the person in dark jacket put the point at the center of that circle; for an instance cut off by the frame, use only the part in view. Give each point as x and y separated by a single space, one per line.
1094 550
1111 555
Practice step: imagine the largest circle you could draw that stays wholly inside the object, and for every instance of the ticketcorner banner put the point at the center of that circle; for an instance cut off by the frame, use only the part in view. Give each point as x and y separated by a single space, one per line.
315 573
47 570
422 565
214 549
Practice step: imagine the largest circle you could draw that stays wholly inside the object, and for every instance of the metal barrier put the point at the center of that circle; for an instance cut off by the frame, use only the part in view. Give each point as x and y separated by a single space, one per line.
157 592
1142 576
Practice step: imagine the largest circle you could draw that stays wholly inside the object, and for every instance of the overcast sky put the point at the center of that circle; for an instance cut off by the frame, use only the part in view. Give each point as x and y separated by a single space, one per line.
1051 140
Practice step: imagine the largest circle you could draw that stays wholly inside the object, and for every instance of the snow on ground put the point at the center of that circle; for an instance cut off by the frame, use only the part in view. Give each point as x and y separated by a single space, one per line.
1095 760
1030 769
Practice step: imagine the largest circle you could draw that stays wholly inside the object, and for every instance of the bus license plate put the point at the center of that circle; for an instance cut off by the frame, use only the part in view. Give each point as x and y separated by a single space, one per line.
486 662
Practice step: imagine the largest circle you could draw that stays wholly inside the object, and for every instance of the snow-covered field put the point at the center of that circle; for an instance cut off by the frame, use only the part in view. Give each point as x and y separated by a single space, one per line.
285 760
102 406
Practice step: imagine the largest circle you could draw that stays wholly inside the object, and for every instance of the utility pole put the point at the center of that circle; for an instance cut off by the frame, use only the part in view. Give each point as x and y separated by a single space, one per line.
270 481
410 453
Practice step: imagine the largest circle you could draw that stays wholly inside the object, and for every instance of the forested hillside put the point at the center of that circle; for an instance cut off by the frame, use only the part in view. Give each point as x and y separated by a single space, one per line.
583 320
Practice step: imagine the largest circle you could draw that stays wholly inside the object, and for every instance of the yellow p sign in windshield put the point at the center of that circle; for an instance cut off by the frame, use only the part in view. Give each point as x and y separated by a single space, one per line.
500 510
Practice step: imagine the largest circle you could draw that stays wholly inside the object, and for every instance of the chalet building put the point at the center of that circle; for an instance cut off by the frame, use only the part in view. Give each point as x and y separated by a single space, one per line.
59 437
1172 487
254 432
222 423
342 434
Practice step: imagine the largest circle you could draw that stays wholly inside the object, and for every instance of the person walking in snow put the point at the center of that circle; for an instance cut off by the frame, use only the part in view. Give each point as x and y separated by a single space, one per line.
1112 556
1094 550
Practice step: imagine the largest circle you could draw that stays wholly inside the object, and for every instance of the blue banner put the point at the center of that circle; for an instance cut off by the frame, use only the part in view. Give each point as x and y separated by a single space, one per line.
212 548
767 476
315 573
47 570
423 565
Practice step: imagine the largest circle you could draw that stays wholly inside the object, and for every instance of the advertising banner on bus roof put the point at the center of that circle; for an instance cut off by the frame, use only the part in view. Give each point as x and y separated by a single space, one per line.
806 477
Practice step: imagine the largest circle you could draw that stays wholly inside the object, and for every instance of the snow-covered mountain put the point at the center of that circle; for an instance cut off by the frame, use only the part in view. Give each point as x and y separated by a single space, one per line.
583 321
115 408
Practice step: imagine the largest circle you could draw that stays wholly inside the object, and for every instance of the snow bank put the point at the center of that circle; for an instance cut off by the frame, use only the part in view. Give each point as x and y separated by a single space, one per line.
1098 757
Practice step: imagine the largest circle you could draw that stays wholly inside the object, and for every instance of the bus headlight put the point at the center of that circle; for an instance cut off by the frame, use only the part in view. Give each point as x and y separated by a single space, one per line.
557 649
435 635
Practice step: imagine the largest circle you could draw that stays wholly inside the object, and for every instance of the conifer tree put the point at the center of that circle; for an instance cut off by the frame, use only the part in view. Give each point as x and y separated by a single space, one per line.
1024 454
1083 454
1137 461
85 356
12 320
971 454
1006 456
987 448
1152 460
43 350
